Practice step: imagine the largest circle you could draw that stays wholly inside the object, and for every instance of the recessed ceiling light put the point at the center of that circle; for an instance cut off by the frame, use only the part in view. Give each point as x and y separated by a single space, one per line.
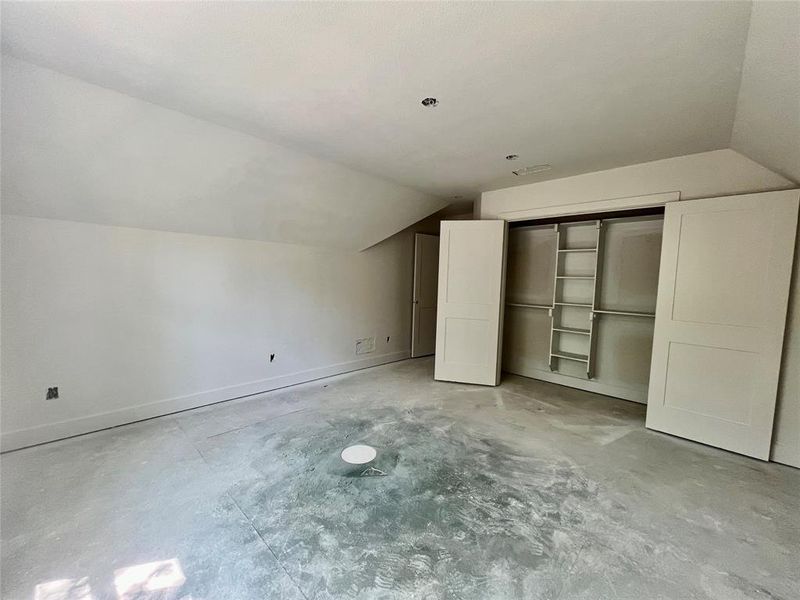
532 169
512 157
430 102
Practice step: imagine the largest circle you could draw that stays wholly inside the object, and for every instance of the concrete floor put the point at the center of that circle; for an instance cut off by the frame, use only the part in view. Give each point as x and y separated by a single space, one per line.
529 490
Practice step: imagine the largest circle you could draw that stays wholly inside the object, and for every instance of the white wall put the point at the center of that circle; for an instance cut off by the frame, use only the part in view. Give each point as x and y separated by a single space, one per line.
76 151
718 173
131 323
767 129
767 123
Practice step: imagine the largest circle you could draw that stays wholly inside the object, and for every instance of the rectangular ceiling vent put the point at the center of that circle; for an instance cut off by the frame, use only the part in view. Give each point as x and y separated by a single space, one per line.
532 169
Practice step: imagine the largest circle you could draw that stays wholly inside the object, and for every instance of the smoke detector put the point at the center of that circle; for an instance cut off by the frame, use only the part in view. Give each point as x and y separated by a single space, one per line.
532 169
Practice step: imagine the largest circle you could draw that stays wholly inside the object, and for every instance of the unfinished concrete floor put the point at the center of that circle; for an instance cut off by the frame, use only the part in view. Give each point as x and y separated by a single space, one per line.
529 490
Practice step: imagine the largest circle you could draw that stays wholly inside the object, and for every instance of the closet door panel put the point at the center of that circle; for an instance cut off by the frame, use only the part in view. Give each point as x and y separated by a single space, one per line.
470 313
720 319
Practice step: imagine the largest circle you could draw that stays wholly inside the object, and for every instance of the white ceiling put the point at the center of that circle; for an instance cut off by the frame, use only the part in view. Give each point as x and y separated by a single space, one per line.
583 86
75 151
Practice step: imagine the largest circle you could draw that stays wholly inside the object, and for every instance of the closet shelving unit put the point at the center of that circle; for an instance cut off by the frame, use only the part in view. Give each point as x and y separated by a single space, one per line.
574 294
575 307
581 295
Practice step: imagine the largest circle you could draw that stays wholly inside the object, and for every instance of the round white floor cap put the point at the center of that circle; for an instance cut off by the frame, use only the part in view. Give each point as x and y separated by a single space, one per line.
358 454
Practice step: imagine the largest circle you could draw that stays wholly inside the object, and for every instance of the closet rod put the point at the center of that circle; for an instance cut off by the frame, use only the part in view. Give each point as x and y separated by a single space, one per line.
627 313
519 305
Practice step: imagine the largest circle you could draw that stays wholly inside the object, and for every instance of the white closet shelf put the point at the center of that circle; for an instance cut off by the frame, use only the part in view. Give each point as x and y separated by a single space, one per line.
571 356
577 249
580 304
572 330
574 276
521 305
627 313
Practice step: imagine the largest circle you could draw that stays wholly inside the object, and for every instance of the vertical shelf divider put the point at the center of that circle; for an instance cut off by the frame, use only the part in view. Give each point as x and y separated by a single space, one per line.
596 287
551 358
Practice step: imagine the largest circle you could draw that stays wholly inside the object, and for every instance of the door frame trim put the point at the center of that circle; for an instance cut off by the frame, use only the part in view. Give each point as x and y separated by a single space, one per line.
591 207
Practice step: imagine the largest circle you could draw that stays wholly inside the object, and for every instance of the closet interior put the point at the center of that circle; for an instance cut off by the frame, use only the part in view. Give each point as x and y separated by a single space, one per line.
580 301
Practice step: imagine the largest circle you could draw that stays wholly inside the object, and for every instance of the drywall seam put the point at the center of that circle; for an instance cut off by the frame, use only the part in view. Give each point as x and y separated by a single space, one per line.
50 432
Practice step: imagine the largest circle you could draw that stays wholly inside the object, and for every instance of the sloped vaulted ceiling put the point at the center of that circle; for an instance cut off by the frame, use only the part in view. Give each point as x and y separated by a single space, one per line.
233 99
767 125
76 151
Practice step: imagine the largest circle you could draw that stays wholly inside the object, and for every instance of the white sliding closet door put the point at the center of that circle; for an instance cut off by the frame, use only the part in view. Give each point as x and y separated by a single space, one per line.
470 313
720 317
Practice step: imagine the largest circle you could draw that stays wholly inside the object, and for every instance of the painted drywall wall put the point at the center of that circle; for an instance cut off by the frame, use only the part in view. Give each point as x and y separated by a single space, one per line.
80 152
716 173
130 323
767 123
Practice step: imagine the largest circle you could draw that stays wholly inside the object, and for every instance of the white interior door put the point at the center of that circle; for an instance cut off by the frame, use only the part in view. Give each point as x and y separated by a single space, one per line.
720 317
426 273
470 313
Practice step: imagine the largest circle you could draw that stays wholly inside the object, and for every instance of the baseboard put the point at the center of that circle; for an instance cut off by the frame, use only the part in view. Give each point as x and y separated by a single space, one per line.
21 438
786 454
587 385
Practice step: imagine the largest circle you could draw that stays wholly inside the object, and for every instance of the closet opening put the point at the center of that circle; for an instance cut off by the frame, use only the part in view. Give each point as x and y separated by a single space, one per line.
581 299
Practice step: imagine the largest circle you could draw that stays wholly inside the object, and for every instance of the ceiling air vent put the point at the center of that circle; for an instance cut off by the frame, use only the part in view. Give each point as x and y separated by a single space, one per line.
532 169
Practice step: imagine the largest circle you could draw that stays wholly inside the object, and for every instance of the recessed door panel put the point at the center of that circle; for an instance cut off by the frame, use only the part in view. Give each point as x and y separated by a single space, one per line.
470 312
720 319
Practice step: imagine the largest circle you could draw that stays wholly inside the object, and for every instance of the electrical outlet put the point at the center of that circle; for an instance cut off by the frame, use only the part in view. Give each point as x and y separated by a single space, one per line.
365 345
52 393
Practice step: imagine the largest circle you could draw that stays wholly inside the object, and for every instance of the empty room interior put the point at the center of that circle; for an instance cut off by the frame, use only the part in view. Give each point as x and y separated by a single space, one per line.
400 300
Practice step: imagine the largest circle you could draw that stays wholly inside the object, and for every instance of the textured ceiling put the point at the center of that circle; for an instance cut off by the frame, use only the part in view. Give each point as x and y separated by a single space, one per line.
583 86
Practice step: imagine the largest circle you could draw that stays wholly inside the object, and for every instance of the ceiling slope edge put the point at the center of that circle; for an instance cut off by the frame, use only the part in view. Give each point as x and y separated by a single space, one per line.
76 151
